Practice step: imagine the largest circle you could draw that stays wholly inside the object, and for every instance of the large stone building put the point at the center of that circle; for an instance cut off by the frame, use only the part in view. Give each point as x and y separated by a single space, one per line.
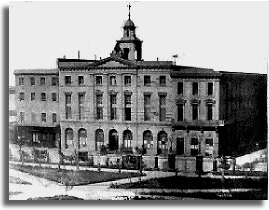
122 103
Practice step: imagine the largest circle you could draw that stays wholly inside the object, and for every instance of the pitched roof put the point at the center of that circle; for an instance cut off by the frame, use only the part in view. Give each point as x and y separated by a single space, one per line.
189 71
36 71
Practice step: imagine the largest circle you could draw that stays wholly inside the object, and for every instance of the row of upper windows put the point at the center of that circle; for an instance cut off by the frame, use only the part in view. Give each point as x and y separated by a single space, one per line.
43 117
195 88
42 81
195 112
113 81
43 96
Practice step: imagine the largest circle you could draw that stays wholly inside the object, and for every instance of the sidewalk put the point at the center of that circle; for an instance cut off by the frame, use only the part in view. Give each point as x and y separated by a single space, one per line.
99 191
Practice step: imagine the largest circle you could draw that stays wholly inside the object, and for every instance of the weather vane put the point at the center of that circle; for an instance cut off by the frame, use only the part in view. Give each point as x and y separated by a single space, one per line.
129 6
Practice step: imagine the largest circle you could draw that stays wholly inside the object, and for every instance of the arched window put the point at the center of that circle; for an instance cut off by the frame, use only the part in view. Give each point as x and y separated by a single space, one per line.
147 140
99 139
113 140
82 137
69 136
127 139
162 143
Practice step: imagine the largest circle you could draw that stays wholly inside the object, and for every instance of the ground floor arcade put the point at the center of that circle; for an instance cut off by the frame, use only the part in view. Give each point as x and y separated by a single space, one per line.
144 139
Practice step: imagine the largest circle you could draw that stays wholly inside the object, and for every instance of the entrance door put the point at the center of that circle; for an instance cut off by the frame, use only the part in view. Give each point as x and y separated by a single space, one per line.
113 140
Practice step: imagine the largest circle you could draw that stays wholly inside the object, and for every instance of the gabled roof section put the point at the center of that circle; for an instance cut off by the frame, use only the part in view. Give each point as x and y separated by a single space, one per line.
113 61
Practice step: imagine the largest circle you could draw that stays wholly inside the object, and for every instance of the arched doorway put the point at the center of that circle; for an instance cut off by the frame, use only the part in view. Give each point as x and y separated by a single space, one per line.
113 140
162 143
147 141
82 137
127 139
99 139
69 136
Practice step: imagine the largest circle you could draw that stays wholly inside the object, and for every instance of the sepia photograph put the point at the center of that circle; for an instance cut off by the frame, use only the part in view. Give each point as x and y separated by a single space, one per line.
138 100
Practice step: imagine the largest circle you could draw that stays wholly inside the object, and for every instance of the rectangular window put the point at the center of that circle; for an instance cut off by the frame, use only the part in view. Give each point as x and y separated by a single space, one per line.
32 80
99 80
68 80
147 100
127 80
113 99
180 88
162 114
54 117
209 112
80 80
68 98
33 117
180 112
209 142
32 96
68 110
113 80
21 96
42 80
81 98
127 108
209 147
54 97
22 117
113 113
195 111
43 117
162 99
99 106
147 113
195 88
43 96
162 81
113 109
194 147
99 115
128 100
99 99
180 146
54 81
81 101
127 113
147 80
147 106
21 81
210 88
81 112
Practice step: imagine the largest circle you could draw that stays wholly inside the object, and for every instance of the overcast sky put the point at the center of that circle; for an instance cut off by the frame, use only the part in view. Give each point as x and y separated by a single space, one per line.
225 36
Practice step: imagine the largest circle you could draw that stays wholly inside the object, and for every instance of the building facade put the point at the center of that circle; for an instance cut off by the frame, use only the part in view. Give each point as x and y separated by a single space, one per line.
122 104
243 99
37 102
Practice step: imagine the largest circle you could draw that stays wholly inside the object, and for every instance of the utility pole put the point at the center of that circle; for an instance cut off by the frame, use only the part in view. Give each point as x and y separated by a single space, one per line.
20 142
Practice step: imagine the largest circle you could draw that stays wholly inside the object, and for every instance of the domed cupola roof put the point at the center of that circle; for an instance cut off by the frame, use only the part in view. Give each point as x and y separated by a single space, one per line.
129 24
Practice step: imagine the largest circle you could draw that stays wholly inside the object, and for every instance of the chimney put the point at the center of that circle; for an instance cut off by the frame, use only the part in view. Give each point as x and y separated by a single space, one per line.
157 59
95 57
78 54
64 57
